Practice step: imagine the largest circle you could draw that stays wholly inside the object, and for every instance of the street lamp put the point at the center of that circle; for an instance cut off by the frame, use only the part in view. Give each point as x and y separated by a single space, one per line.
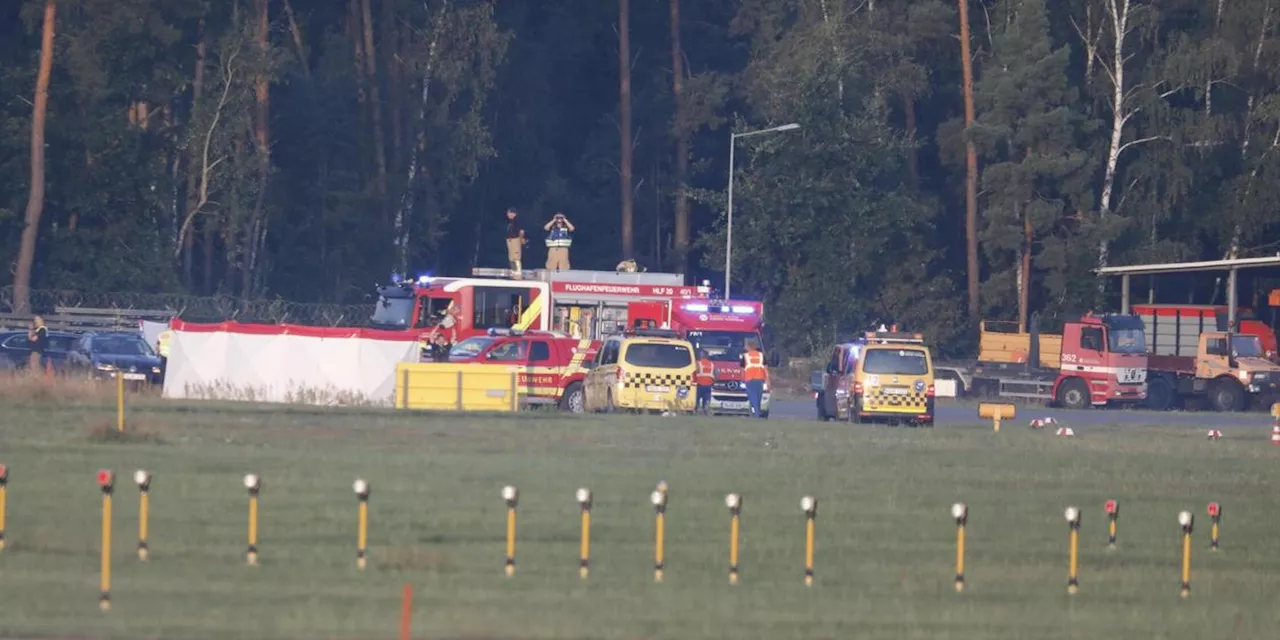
728 238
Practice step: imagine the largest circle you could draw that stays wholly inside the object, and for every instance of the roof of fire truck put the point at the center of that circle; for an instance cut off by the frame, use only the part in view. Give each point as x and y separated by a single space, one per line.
570 283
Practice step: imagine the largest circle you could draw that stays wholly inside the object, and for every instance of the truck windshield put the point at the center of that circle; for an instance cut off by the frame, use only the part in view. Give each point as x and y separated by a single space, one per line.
902 362
392 313
1126 341
1246 347
469 348
722 346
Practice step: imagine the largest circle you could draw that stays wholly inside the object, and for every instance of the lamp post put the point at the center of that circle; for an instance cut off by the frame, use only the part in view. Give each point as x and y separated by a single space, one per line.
728 236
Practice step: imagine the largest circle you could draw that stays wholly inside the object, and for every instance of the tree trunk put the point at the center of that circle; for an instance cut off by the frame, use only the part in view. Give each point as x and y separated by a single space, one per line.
682 142
35 199
375 110
624 127
913 154
1024 273
296 32
1119 14
356 33
262 137
391 71
197 90
971 167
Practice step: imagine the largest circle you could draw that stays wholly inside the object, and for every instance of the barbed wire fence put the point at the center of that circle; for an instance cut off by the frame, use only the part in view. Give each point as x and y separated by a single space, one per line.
199 308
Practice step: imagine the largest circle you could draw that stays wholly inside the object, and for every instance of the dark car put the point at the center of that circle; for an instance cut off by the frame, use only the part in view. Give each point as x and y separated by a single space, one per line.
106 354
15 349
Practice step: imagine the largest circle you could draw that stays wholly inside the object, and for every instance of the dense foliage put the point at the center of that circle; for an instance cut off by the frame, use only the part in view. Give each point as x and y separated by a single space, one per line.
305 149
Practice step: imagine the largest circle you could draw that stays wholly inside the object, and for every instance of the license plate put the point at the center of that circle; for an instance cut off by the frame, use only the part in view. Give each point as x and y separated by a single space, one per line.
653 388
135 376
895 391
733 405
1131 376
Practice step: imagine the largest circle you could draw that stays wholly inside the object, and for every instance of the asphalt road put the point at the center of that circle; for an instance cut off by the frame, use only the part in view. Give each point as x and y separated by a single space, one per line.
952 413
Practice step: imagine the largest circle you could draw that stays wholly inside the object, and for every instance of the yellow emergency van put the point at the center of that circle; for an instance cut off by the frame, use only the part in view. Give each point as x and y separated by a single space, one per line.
643 370
883 377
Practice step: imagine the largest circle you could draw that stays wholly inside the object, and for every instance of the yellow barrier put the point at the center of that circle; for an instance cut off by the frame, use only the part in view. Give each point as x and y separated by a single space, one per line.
458 387
996 412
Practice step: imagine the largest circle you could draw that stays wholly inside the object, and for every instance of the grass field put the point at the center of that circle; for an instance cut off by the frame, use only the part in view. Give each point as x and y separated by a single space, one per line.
885 538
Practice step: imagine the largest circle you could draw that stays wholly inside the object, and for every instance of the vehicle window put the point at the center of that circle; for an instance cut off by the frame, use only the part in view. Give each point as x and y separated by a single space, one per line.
609 353
17 342
61 343
498 307
659 356
1091 338
539 352
122 346
392 312
1127 341
1216 346
469 348
902 362
851 359
1246 347
509 352
834 365
431 311
722 346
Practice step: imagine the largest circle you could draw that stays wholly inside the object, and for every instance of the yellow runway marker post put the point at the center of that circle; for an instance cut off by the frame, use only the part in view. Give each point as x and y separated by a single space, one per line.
1113 514
106 480
659 500
1215 518
4 499
254 484
810 506
584 557
143 479
1187 521
361 487
734 502
1073 554
996 412
511 495
960 511
119 401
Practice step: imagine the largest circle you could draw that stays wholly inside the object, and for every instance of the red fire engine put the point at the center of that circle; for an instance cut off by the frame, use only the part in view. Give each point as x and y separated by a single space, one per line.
584 305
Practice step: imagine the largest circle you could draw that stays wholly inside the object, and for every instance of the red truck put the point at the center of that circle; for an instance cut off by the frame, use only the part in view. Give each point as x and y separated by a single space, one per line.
549 367
1096 361
1204 317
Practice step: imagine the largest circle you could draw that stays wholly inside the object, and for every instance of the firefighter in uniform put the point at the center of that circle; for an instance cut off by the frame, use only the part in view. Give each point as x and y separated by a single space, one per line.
515 243
558 242
705 379
754 374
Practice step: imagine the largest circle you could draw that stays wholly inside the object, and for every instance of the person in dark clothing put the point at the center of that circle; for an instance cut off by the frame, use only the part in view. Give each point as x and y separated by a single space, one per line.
38 336
440 348
515 242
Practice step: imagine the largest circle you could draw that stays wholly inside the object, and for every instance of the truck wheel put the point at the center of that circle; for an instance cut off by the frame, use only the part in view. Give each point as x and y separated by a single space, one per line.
1159 394
1227 395
1074 394
574 399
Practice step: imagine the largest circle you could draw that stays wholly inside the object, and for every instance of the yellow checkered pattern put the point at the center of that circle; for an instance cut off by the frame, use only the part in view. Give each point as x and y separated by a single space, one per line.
640 380
876 398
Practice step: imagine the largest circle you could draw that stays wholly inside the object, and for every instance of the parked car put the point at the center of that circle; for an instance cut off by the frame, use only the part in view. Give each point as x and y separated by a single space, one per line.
15 349
105 355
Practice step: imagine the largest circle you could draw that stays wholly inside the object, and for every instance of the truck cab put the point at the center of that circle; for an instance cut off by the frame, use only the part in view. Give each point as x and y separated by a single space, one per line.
1236 374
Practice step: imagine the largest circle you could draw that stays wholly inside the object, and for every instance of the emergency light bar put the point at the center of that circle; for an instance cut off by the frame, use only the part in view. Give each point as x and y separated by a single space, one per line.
493 331
704 308
890 336
654 333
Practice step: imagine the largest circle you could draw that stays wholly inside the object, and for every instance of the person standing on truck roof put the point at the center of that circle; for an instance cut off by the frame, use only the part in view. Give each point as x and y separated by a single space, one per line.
515 242
705 378
754 374
558 242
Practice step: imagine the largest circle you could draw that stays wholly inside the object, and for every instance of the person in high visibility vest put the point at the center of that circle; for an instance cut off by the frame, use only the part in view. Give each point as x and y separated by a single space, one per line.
705 378
162 350
754 374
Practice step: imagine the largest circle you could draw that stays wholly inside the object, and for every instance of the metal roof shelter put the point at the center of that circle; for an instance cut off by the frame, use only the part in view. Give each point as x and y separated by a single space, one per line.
1230 266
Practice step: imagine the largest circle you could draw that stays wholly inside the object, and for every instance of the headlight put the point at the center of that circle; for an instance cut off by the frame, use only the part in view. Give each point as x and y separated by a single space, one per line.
105 367
840 393
155 369
1244 376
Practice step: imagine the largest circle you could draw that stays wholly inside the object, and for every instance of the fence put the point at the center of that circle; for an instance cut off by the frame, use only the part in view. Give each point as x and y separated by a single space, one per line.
196 308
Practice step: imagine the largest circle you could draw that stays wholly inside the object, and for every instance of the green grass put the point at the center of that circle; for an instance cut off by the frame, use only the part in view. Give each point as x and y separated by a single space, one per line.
885 538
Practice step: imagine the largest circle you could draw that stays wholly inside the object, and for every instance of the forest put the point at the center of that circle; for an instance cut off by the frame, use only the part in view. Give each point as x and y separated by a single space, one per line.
956 160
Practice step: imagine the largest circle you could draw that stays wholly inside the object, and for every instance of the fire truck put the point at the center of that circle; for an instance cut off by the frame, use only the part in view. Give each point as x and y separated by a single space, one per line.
1096 361
586 305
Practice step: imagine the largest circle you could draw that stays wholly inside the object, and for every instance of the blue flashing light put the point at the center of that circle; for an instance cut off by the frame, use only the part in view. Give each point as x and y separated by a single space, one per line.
396 279
424 279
